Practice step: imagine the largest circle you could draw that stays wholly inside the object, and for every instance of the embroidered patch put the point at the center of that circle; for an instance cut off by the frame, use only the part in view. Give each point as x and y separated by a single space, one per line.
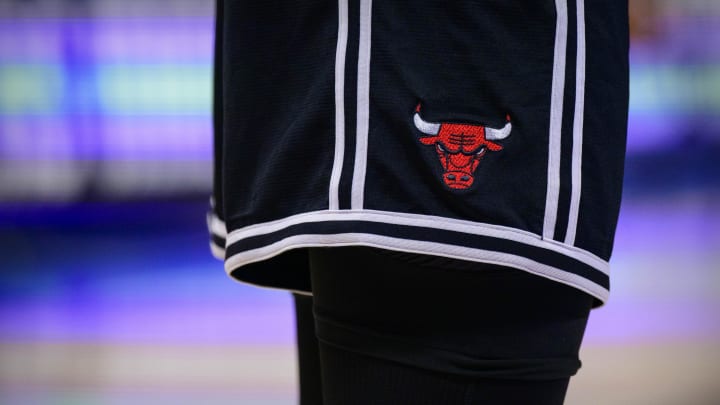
460 147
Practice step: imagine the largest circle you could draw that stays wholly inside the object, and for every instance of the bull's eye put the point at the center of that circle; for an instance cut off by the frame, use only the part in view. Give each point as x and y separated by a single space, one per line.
480 151
441 148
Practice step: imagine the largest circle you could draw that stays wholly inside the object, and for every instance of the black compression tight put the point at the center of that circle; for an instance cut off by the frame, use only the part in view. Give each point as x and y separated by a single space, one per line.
399 330
353 379
308 352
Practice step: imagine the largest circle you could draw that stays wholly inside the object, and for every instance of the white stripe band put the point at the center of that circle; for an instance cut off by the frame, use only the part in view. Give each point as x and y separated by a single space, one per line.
420 247
363 106
216 226
340 51
578 122
300 292
556 110
218 252
425 221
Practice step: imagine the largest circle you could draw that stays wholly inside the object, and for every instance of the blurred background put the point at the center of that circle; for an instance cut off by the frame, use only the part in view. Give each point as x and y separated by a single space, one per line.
109 294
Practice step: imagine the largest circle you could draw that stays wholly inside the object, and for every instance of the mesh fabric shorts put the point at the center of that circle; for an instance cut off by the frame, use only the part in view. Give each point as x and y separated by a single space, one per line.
482 131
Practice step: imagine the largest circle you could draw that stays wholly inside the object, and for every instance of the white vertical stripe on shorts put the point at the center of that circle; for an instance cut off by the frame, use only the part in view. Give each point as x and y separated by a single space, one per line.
363 106
578 122
340 52
556 112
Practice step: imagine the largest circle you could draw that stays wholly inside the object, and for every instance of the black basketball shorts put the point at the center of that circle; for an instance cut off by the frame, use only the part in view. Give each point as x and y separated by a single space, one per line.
485 131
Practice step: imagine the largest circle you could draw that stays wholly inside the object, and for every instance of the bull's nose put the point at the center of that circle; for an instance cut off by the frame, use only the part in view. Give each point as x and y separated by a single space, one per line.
458 180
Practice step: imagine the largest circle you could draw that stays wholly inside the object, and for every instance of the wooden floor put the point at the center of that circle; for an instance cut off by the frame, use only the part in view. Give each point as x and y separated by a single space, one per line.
152 328
671 373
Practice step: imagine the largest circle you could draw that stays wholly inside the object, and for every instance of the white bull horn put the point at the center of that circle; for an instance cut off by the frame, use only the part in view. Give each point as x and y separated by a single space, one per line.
429 128
492 134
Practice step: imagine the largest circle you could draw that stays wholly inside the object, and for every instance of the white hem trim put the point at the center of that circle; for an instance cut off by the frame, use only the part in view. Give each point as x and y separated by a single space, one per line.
216 226
218 252
419 247
426 221
267 287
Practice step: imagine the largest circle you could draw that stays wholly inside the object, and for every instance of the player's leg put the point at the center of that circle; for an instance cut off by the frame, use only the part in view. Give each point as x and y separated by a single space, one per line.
356 379
418 329
310 392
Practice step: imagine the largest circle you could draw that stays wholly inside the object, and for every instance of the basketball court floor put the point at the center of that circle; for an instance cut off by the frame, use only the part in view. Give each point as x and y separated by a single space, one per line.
122 304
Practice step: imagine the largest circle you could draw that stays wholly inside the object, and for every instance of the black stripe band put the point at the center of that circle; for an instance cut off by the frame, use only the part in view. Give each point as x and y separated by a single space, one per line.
218 240
423 234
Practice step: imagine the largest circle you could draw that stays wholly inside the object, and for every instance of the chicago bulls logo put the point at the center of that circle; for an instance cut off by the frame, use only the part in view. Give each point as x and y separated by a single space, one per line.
460 147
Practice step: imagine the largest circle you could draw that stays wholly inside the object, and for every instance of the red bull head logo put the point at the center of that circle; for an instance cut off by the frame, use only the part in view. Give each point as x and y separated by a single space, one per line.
460 147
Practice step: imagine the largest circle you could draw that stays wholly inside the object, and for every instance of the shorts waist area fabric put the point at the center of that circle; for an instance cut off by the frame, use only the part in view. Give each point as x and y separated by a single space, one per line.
482 322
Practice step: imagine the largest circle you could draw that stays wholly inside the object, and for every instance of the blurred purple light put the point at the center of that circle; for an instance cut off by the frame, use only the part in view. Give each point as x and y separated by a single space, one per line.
177 39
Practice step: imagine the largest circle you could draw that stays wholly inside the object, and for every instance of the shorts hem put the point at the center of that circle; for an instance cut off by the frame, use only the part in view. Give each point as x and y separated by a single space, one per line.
419 234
